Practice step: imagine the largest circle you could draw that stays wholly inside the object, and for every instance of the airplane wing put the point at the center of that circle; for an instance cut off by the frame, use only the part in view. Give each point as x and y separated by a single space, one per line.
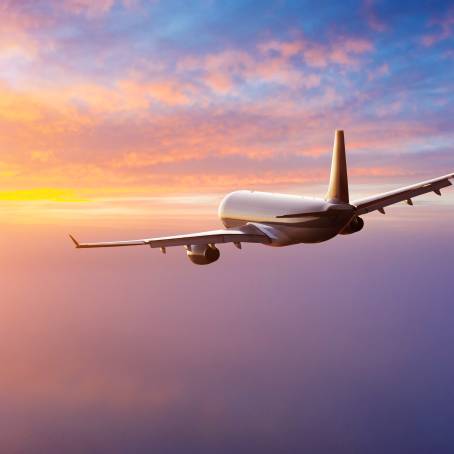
378 202
245 234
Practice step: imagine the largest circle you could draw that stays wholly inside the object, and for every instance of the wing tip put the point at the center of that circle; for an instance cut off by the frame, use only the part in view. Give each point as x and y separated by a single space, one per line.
76 243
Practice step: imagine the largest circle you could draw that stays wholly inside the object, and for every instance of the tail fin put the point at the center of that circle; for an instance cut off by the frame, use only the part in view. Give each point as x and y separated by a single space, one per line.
338 181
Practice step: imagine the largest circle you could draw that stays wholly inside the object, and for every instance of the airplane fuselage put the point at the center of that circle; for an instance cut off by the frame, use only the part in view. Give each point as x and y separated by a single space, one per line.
286 219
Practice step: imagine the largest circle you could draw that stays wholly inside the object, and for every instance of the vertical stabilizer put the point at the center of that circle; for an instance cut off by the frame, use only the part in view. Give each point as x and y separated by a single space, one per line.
338 181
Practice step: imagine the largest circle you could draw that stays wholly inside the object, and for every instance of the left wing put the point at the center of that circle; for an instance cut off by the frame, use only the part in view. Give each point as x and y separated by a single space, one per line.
245 234
378 202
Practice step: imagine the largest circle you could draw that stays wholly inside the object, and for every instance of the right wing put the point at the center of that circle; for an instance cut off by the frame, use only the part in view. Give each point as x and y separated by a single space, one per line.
245 234
378 202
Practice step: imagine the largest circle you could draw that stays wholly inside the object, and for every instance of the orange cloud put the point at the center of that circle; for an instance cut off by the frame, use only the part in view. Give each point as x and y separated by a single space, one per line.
378 172
161 131
167 92
41 155
103 148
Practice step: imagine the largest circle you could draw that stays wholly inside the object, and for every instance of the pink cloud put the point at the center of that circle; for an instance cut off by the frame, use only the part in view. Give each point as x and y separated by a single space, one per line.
93 8
223 71
115 137
219 82
285 48
88 7
381 71
344 51
170 92
378 172
444 30
374 22
83 151
16 38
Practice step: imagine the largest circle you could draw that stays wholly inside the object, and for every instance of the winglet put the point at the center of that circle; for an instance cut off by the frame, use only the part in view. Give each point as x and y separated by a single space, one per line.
74 241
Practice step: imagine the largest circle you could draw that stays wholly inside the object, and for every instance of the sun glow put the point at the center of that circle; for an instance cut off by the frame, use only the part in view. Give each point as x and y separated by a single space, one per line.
41 194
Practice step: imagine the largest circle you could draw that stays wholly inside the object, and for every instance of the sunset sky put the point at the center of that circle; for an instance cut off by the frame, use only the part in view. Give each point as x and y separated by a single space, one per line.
121 119
120 99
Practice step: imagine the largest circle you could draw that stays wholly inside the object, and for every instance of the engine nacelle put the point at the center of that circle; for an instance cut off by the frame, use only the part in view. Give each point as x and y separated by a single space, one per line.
355 225
203 254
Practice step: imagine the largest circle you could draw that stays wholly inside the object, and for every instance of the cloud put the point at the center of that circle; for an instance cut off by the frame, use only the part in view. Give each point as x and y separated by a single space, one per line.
100 137
18 26
90 8
93 8
381 71
344 52
372 18
41 155
141 111
274 62
443 29
168 92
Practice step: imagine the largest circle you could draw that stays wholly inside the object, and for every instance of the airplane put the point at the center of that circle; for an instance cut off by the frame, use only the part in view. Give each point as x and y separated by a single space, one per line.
282 219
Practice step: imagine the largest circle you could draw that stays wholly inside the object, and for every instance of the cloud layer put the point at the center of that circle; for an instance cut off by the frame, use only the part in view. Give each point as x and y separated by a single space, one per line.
140 97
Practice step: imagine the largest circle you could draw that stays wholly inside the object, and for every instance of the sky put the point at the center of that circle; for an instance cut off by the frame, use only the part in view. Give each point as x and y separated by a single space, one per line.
125 119
129 98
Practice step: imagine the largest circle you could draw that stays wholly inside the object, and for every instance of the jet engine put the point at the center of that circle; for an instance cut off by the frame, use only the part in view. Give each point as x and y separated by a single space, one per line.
355 225
203 254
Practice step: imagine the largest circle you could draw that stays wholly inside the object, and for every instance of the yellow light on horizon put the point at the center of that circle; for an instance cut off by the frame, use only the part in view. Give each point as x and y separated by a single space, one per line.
41 194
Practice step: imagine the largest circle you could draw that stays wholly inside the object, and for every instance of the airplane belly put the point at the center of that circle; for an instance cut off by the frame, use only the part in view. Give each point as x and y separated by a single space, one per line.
311 235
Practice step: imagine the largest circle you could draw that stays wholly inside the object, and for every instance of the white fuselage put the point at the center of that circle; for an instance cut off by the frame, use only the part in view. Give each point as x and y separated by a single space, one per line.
286 219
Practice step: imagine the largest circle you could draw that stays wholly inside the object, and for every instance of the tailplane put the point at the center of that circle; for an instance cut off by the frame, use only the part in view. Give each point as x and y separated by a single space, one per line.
338 181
